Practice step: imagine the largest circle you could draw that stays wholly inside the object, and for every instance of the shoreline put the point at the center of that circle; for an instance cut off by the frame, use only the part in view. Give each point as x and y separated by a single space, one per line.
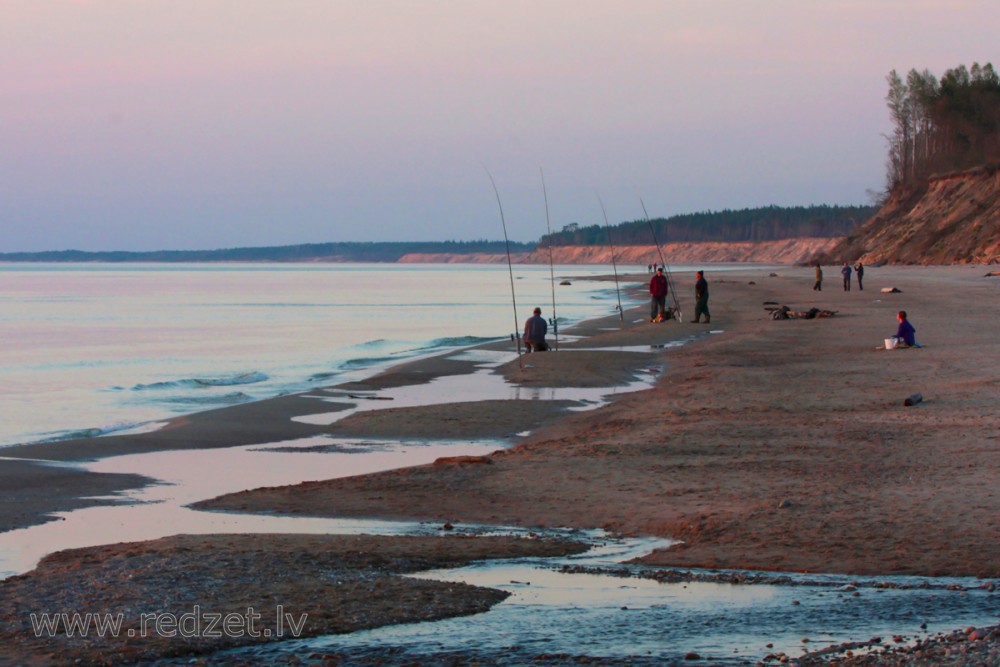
774 445
724 390
770 445
267 421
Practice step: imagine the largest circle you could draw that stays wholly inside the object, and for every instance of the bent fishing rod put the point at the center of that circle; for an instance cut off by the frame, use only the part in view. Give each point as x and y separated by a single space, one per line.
614 264
510 269
552 275
663 262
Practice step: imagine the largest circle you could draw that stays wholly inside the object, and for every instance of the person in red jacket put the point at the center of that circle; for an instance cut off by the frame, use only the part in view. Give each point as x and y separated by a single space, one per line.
658 294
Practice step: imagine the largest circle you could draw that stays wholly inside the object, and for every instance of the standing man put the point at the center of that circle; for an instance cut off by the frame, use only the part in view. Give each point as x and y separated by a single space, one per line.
846 272
658 295
535 329
701 298
818 287
860 270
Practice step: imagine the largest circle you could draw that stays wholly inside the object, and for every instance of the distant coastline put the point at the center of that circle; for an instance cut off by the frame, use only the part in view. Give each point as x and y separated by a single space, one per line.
787 251
765 234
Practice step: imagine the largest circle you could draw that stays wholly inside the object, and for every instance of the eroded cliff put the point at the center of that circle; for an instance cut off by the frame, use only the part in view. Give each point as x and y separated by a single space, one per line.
788 251
955 219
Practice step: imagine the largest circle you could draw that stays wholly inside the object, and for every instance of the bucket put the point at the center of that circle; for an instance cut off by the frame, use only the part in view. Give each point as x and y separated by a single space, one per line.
890 343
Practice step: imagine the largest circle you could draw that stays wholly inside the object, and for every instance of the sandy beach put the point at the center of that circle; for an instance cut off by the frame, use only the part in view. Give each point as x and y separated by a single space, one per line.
768 445
761 444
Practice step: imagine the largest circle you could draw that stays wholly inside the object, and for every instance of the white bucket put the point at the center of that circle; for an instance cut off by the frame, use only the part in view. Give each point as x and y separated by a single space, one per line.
891 343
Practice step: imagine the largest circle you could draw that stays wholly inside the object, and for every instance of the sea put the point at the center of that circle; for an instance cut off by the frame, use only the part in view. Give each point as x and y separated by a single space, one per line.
90 349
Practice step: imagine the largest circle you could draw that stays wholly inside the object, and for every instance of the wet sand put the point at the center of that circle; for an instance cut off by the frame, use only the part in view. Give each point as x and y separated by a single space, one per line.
315 584
31 490
772 445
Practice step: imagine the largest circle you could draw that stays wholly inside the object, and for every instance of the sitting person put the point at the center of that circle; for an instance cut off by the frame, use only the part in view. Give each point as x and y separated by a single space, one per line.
905 333
535 329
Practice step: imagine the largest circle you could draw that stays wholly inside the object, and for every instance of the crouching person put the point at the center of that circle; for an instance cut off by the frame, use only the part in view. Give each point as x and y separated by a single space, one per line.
906 335
535 329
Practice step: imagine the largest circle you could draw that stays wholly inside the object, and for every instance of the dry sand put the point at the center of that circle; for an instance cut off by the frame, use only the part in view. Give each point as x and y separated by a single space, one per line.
770 445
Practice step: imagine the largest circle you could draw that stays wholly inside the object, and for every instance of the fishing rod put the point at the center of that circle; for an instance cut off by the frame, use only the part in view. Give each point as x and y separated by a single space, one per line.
614 264
663 263
552 275
510 269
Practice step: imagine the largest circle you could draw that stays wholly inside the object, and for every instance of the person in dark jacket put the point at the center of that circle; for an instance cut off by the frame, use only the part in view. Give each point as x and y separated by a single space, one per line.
905 332
701 298
658 295
846 272
859 269
535 329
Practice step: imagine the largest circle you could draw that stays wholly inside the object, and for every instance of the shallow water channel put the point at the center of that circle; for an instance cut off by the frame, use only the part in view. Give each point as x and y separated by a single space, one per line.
558 613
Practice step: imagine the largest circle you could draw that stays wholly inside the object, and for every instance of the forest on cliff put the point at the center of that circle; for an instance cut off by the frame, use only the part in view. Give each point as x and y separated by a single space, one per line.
942 200
941 126
759 224
769 223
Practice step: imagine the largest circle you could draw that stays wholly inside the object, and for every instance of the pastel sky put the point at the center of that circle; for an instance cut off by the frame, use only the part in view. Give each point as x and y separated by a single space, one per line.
183 124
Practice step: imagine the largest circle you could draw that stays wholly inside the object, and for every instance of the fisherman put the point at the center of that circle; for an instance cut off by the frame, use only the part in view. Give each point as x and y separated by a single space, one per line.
535 329
701 298
859 269
658 296
846 272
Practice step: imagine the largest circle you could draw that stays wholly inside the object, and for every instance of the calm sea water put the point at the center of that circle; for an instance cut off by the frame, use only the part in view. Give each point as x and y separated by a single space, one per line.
94 348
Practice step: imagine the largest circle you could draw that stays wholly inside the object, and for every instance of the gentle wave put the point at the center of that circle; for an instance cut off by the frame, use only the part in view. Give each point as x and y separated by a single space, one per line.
89 432
251 377
223 399
366 362
461 341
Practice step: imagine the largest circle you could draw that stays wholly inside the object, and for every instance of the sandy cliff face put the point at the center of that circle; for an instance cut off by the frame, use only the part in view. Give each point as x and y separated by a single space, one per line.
788 251
954 220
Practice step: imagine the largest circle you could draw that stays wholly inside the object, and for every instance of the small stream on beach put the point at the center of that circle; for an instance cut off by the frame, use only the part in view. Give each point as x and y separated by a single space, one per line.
587 605
561 609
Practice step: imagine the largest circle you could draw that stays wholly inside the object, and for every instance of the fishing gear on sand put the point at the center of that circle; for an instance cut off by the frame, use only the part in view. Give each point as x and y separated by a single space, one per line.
510 269
614 263
676 308
554 321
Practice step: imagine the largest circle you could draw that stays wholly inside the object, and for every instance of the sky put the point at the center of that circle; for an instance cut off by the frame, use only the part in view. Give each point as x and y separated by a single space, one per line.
200 124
